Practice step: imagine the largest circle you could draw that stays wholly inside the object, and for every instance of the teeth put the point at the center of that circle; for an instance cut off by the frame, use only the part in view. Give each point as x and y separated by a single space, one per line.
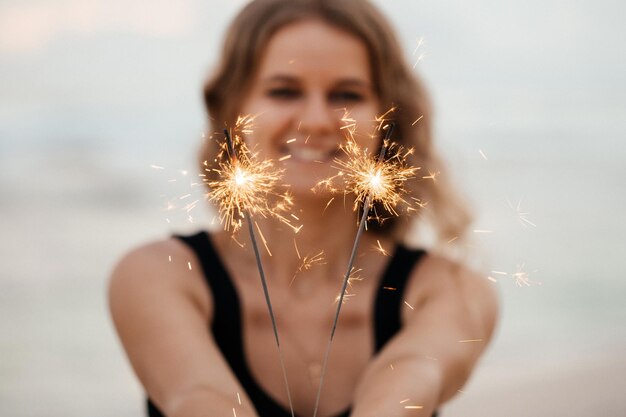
310 154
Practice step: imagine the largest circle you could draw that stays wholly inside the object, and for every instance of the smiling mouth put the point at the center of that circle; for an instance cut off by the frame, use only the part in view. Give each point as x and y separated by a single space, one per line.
310 154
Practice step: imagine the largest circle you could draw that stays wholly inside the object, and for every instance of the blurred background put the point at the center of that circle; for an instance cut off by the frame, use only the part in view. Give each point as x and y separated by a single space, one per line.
101 115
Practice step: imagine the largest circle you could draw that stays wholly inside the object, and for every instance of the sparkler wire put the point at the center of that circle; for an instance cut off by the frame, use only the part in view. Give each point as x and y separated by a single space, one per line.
359 233
259 265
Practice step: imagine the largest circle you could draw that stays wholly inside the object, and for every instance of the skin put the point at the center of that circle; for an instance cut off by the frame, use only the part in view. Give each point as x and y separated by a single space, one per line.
302 93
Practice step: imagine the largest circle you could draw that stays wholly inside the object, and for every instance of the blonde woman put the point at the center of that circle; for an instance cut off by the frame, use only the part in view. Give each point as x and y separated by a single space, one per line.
200 339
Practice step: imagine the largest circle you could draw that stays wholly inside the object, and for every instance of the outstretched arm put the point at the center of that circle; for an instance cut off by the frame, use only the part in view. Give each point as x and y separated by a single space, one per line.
442 338
162 311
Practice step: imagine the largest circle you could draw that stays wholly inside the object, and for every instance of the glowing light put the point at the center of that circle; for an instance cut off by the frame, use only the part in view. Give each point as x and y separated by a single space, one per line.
363 176
245 184
522 216
417 120
380 249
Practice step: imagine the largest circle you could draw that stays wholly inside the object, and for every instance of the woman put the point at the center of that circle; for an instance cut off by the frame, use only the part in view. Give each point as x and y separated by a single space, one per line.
190 310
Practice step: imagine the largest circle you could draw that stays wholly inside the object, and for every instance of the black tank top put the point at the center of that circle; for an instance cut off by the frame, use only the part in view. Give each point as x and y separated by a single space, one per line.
227 327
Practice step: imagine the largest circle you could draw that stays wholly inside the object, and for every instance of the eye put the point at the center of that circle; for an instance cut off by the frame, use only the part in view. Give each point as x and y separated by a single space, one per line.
283 92
347 96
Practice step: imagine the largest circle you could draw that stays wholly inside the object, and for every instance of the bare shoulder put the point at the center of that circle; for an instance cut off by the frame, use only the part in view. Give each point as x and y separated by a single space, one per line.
444 281
149 270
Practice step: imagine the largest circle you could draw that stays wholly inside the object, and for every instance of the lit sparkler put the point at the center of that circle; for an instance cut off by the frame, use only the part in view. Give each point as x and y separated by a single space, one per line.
246 185
375 181
371 181
241 194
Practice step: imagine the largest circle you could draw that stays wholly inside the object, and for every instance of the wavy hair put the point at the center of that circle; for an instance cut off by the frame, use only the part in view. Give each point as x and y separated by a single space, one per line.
394 81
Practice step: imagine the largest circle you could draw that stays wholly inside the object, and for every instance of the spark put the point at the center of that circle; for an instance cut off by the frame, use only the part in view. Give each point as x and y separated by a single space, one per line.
328 204
189 265
404 401
291 140
417 120
453 239
383 117
263 239
521 215
238 398
191 206
521 277
391 366
381 249
390 288
156 166
419 58
234 412
184 196
245 184
420 42
169 258
482 154
415 407
470 340
345 294
492 279
431 176
381 181
409 305
284 158
482 231
308 262
349 123
296 246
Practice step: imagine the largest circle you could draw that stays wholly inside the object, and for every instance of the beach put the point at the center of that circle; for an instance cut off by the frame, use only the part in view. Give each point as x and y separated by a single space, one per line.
101 115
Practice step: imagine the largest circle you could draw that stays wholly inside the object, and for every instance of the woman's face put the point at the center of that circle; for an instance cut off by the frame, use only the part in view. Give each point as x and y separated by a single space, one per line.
310 75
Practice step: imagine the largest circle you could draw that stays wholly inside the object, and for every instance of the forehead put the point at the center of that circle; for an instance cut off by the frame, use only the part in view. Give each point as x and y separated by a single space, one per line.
313 48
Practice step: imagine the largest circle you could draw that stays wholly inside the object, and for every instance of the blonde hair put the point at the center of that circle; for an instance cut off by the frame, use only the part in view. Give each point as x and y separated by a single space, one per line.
394 81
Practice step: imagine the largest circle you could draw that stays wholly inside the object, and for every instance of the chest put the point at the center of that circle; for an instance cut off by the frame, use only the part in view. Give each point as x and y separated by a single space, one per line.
304 327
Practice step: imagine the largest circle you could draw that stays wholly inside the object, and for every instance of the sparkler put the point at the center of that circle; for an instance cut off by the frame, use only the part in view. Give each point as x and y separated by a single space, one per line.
371 181
246 185
243 191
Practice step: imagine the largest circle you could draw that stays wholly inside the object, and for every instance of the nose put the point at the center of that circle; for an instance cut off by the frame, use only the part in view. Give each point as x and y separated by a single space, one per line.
317 116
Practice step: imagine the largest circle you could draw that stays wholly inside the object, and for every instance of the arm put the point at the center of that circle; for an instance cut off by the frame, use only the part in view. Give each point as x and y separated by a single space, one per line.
431 357
162 311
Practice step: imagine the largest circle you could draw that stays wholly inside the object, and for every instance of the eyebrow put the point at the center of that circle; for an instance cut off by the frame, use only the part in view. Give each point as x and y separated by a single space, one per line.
343 82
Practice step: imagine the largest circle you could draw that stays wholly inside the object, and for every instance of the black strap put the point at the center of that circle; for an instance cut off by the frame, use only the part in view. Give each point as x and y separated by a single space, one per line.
227 324
388 304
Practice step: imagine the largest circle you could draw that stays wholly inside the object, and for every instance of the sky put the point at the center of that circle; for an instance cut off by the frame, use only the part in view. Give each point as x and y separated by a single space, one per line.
116 71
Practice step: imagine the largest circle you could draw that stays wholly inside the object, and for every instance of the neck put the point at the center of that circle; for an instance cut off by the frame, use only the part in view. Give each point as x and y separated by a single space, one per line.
325 241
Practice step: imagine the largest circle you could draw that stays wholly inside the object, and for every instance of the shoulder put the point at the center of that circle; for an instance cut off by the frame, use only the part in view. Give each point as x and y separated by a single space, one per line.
440 280
156 269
